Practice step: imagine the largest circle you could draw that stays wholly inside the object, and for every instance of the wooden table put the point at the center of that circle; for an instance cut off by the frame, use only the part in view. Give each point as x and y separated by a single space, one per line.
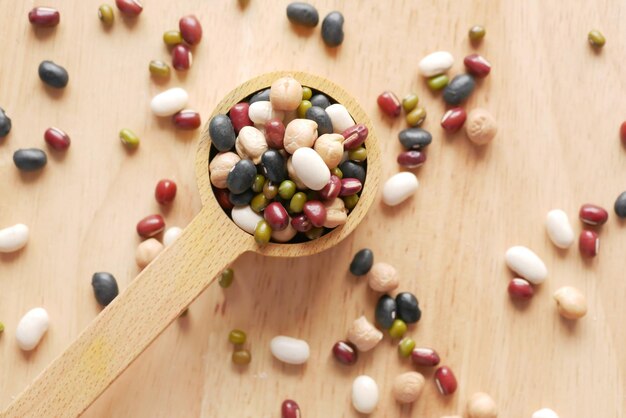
559 105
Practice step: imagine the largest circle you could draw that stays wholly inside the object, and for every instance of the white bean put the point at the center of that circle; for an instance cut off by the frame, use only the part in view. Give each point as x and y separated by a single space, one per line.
260 112
436 63
169 102
340 117
364 394
245 218
559 228
399 187
13 238
31 328
171 234
527 264
545 413
310 168
290 350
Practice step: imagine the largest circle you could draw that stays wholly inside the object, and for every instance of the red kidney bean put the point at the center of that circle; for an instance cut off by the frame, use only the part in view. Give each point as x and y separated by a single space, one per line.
290 409
275 133
181 57
239 116
190 29
222 198
276 215
589 243
350 186
389 103
412 158
622 133
44 16
453 119
593 214
129 7
332 189
315 211
345 352
150 226
187 119
165 191
445 380
425 357
57 139
301 223
354 136
477 65
520 288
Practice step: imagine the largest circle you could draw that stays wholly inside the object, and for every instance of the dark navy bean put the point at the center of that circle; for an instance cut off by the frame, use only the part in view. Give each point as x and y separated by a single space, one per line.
415 138
320 100
362 262
459 89
53 75
274 166
620 205
303 14
332 29
222 133
385 311
241 176
241 199
30 159
408 308
350 169
319 115
5 124
262 96
104 287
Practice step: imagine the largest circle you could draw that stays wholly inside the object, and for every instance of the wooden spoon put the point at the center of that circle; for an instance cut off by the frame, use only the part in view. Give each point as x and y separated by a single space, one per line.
126 327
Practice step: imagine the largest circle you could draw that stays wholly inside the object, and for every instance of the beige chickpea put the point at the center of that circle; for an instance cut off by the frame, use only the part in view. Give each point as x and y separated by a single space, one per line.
336 213
570 302
147 251
330 148
481 405
480 126
300 133
293 176
286 93
408 387
220 166
383 277
363 334
251 144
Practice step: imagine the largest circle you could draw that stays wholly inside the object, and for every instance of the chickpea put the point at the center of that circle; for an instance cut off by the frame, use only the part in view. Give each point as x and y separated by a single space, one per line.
220 166
300 133
147 251
330 148
480 127
364 335
336 213
408 387
570 302
481 405
383 277
251 144
286 93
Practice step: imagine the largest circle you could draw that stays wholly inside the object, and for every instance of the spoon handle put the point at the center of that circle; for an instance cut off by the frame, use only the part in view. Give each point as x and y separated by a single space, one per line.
126 327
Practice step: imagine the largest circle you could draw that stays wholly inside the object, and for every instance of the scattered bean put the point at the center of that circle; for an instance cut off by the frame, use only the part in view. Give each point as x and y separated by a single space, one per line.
187 119
147 251
559 228
13 238
412 158
165 191
354 136
290 350
171 234
339 117
290 409
364 394
481 127
5 123
545 413
445 380
57 139
383 277
302 14
105 14
300 133
130 8
527 264
596 39
150 226
345 352
399 187
362 262
622 133
481 405
438 82
453 119
416 117
520 288
310 168
104 287
159 68
589 243
363 334
398 328
415 138
220 166
408 307
190 29
459 89
408 387
389 103
31 328
53 74
181 57
385 311
226 278
477 33
172 37
426 357
169 102
436 63
593 214
332 29
44 17
241 357
129 138
620 205
237 336
30 159
477 65
406 346
409 102
570 302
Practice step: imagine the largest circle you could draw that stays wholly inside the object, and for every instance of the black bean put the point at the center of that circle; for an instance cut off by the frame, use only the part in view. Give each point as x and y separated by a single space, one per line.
385 311
362 262
274 166
241 199
53 74
222 133
303 14
332 29
319 115
262 96
319 100
104 287
350 169
415 138
459 89
30 159
408 308
241 176
5 124
620 205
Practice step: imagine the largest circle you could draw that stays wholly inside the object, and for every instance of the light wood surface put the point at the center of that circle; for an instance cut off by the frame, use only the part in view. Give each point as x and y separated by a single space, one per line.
559 106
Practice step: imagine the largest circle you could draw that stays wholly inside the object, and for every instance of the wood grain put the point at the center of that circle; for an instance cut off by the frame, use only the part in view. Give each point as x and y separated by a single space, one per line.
559 105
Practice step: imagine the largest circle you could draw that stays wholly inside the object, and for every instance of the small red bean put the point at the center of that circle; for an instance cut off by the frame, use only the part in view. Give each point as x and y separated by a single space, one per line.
445 380
165 191
477 65
57 139
354 136
187 119
276 215
190 29
389 103
589 243
181 57
44 17
345 352
301 223
150 226
315 211
412 158
425 357
593 214
622 133
350 186
222 198
290 409
239 116
275 133
453 119
129 7
520 288
332 189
